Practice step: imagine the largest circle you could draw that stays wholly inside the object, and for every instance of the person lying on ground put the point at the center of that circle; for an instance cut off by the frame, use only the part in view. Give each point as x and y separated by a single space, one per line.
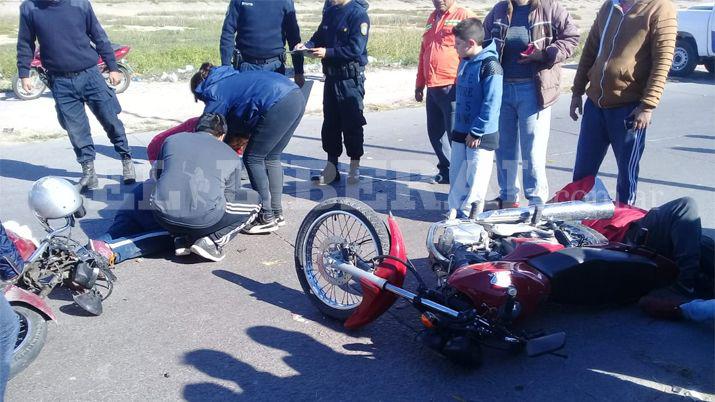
11 265
674 231
198 196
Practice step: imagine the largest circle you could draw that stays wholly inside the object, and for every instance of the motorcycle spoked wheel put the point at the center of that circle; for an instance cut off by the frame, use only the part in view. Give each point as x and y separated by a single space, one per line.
332 224
38 86
30 339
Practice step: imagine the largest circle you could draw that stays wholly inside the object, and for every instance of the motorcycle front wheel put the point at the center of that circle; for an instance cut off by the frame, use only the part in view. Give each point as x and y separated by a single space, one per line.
30 338
331 227
38 86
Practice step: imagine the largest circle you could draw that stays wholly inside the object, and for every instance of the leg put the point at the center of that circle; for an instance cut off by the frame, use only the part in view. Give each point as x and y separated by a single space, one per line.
478 172
9 328
437 106
457 176
255 159
72 117
534 126
507 154
331 131
350 97
234 219
103 103
593 142
628 148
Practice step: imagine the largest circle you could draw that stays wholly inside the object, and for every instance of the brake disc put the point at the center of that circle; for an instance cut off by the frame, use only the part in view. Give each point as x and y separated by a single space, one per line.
331 249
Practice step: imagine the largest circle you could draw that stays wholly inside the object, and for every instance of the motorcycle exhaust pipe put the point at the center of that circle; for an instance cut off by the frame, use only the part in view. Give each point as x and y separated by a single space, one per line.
562 211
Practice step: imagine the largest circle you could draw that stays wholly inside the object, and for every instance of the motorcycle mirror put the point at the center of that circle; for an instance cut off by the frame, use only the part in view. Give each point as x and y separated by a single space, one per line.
545 344
90 301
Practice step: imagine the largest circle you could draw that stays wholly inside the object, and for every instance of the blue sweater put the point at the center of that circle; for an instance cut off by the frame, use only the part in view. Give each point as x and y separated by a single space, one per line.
65 30
479 92
242 97
260 29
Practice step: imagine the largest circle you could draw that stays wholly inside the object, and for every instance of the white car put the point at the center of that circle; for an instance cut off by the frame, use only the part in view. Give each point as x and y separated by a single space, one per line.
696 40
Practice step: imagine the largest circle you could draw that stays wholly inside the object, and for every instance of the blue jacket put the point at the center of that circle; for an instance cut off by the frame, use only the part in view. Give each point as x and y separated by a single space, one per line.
69 35
242 97
343 31
10 261
479 92
260 29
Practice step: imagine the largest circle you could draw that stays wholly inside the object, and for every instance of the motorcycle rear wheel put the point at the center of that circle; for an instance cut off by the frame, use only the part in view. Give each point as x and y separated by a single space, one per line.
37 89
332 223
30 339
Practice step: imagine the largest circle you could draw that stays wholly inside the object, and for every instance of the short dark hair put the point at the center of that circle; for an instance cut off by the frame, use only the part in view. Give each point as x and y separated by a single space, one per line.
470 28
212 123
199 77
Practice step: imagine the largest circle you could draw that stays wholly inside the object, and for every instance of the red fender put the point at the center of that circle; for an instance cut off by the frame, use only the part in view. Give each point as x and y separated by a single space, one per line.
376 301
16 295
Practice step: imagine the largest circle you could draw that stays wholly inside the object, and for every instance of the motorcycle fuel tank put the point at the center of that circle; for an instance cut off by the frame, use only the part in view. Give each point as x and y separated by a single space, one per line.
486 285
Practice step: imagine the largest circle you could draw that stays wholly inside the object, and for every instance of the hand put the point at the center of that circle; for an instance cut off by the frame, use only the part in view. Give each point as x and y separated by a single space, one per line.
576 105
641 117
299 46
299 80
419 94
317 52
115 77
26 84
472 142
535 56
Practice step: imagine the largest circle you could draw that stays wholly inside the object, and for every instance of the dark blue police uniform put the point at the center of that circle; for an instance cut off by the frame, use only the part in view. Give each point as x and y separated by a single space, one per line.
72 40
344 33
255 32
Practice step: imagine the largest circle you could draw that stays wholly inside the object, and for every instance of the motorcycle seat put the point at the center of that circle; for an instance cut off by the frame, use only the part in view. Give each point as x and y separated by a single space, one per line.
595 276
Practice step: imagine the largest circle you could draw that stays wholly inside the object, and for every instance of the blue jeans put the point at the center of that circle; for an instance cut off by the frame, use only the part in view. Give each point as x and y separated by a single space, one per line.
523 136
601 128
88 87
275 66
9 328
135 232
440 120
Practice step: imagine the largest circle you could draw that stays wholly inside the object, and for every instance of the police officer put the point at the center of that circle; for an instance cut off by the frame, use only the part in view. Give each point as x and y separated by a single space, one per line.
341 44
254 35
72 40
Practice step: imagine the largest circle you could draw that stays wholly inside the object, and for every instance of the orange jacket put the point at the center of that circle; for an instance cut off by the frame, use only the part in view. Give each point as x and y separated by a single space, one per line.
438 60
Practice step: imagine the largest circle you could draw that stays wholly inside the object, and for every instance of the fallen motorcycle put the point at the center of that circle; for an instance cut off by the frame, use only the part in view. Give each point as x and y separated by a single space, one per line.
56 260
40 80
493 270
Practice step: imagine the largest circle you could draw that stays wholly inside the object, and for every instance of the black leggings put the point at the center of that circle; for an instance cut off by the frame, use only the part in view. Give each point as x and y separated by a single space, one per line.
270 137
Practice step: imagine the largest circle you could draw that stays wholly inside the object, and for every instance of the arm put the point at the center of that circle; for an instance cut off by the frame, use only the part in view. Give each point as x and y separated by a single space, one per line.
154 147
233 183
421 79
227 43
292 33
487 121
588 55
317 39
359 28
663 30
566 38
101 41
488 25
25 43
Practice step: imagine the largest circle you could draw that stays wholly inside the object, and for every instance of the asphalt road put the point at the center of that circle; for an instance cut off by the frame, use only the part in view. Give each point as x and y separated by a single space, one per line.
241 329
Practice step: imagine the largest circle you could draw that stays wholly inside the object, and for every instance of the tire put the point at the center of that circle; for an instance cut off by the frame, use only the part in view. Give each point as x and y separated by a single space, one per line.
124 83
30 339
37 90
351 212
685 58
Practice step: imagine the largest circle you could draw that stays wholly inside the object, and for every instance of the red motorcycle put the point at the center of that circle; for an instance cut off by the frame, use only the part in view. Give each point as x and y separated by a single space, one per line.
40 82
493 270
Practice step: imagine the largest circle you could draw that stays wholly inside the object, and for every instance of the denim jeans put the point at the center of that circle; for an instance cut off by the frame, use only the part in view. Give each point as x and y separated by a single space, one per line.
523 136
469 177
275 66
9 328
88 87
440 120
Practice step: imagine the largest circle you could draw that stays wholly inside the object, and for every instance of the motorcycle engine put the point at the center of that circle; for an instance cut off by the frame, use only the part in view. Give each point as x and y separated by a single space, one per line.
466 235
578 235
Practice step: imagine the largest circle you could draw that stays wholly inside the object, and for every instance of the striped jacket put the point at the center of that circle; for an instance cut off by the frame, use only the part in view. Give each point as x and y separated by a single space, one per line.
438 60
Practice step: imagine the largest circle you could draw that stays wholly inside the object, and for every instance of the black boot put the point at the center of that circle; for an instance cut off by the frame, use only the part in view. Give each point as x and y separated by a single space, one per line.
128 173
88 180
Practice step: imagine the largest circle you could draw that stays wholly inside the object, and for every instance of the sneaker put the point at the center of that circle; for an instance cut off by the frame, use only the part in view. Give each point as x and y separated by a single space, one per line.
264 223
129 175
280 220
439 179
206 248
497 203
181 246
103 249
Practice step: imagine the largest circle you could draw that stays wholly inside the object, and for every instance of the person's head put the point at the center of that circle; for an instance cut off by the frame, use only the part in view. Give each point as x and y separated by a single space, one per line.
468 37
199 77
214 124
442 5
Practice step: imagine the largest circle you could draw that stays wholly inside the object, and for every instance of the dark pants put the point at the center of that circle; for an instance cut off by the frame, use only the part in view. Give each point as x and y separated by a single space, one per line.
240 210
343 116
601 128
440 120
675 231
276 66
268 140
135 232
89 88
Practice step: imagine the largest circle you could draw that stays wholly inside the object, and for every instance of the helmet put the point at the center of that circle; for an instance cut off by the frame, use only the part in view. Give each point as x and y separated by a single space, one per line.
53 197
